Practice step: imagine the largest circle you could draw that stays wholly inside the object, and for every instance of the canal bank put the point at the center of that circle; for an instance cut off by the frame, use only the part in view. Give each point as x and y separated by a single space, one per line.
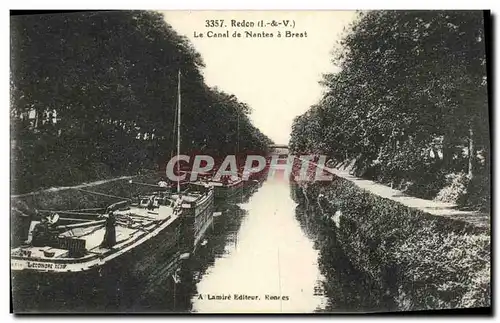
407 259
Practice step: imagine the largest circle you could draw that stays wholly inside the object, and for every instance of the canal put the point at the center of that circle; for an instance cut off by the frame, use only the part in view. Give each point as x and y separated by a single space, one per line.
269 258
271 249
266 253
268 250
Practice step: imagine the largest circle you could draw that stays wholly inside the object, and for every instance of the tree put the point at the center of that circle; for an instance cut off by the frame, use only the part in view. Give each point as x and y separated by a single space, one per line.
409 99
95 95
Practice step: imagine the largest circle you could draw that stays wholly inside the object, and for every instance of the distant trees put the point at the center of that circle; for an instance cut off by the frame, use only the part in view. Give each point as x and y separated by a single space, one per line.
94 94
409 104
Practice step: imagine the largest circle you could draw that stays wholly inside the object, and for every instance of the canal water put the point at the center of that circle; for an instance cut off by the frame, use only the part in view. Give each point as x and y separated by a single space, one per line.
266 253
269 262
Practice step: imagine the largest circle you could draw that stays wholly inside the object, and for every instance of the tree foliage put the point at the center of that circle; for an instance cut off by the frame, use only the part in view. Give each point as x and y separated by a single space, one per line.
409 104
95 94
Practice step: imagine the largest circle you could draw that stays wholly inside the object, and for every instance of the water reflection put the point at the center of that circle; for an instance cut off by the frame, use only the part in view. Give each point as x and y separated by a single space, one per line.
345 288
266 254
270 242
223 233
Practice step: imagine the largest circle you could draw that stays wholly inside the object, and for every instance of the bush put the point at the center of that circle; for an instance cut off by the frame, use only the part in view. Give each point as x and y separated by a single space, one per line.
455 189
478 193
423 261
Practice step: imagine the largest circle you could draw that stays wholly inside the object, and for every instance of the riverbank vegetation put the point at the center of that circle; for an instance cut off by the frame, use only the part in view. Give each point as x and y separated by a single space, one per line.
409 259
94 95
408 106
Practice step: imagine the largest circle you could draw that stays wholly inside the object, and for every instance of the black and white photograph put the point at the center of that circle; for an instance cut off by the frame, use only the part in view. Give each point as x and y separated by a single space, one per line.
250 161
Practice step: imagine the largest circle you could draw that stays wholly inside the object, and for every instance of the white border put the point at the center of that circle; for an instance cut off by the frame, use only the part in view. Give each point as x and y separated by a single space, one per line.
254 5
192 5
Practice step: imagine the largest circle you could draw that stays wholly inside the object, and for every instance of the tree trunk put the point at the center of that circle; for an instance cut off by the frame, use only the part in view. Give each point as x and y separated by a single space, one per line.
447 151
435 152
472 153
36 122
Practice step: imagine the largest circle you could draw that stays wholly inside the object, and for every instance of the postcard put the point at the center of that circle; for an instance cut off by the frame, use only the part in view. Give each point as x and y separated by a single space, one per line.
250 161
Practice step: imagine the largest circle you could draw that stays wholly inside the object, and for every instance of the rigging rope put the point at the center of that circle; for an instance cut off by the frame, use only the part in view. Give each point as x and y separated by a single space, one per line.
69 212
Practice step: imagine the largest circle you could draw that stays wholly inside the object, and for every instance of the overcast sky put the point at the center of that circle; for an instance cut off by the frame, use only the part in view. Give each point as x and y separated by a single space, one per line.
277 77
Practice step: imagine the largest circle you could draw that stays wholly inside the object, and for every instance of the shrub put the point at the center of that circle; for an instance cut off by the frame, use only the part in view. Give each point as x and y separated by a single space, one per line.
423 261
455 189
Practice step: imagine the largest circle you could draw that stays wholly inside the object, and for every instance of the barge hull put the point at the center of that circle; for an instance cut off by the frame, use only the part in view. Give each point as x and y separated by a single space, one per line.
115 286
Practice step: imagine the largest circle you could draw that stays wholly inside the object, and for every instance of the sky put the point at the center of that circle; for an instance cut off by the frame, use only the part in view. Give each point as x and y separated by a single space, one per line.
277 77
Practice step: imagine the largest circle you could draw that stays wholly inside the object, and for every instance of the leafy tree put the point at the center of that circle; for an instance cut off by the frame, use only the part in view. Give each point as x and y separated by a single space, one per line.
409 104
95 94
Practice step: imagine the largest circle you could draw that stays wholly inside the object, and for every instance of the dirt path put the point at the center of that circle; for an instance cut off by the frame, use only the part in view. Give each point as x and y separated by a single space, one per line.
450 210
61 188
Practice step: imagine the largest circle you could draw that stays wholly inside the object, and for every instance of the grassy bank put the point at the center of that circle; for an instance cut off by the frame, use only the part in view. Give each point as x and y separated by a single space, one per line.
67 198
420 260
